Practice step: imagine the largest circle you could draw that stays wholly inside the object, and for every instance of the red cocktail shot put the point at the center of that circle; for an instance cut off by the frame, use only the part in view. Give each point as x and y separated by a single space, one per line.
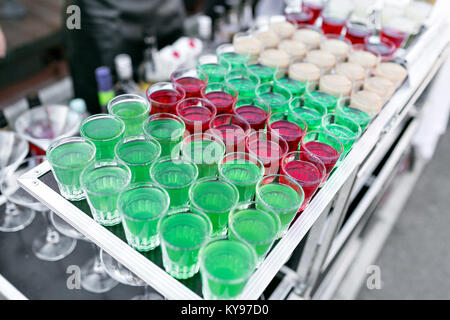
223 96
196 114
289 126
164 96
191 80
232 129
256 111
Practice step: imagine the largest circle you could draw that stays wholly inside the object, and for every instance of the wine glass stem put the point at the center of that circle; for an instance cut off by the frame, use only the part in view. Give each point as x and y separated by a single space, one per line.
11 209
98 267
52 234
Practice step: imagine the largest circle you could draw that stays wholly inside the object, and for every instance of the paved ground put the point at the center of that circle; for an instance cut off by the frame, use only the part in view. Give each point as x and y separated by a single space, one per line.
415 261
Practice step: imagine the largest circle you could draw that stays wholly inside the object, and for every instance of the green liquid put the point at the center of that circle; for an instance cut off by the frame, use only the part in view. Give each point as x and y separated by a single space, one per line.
102 188
244 175
321 98
256 228
359 116
344 134
244 86
296 88
176 178
133 114
205 154
104 133
73 157
236 60
281 199
142 210
216 199
138 156
227 265
277 101
264 73
312 117
167 132
215 72
184 234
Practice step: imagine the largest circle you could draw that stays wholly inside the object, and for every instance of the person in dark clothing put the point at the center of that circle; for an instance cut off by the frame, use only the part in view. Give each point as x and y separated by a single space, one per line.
111 27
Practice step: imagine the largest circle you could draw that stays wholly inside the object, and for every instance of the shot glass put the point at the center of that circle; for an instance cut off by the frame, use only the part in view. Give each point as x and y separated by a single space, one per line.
132 109
232 129
102 182
325 146
319 97
205 151
141 206
223 96
346 110
383 46
295 87
209 64
281 195
226 266
164 97
182 236
312 113
290 127
104 131
268 147
244 171
244 81
307 170
264 73
344 128
357 32
216 198
191 80
168 129
276 96
315 6
196 114
227 55
257 228
68 157
256 111
138 153
176 176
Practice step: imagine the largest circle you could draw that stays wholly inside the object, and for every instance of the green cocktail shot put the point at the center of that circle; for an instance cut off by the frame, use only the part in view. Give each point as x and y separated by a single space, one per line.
132 109
321 98
244 171
228 57
205 151
281 195
102 181
141 206
344 128
244 81
216 198
276 96
264 73
226 266
138 153
182 235
256 227
167 129
296 88
68 157
105 131
210 65
175 176
311 113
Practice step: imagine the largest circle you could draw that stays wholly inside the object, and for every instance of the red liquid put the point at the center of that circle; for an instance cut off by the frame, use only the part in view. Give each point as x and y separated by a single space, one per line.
268 152
324 152
164 101
233 136
191 85
332 25
196 117
224 102
358 33
395 36
315 8
307 175
35 150
386 50
255 116
289 131
303 17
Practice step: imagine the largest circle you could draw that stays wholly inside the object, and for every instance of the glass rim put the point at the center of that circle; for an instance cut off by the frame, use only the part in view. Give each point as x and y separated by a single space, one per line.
129 139
354 123
176 87
159 116
212 179
240 73
322 171
288 178
262 104
99 116
205 86
256 133
302 106
202 258
270 214
67 140
280 86
205 103
245 154
213 129
138 185
183 70
172 159
127 98
329 135
102 164
209 136
187 212
286 114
